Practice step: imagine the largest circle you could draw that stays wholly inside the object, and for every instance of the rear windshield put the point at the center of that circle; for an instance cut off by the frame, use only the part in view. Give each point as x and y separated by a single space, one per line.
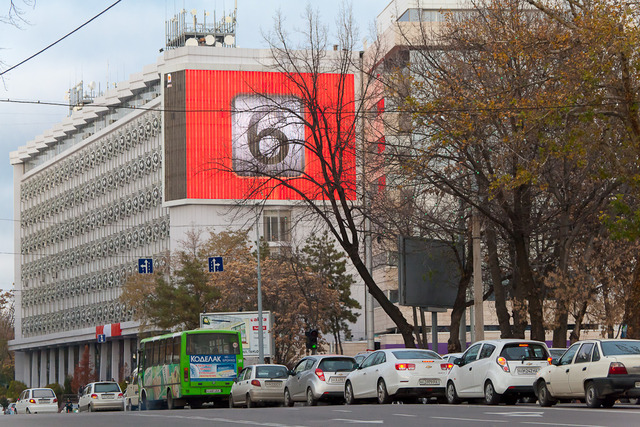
212 343
43 393
524 351
416 354
338 364
107 388
271 372
616 348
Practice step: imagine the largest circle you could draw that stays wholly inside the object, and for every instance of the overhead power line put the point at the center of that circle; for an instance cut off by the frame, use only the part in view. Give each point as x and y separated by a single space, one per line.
58 41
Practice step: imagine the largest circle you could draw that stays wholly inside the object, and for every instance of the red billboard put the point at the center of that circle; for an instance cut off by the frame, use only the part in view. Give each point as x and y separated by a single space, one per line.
240 127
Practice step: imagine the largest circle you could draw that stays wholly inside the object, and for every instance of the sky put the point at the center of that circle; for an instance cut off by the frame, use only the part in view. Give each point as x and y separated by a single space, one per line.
107 50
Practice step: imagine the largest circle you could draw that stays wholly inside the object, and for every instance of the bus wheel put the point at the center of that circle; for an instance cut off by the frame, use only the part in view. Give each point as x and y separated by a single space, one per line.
170 403
143 402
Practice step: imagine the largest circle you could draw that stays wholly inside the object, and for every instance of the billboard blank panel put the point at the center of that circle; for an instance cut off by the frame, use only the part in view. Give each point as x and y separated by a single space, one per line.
428 273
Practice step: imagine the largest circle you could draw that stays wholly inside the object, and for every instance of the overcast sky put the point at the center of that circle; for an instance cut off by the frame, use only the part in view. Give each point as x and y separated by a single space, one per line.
119 43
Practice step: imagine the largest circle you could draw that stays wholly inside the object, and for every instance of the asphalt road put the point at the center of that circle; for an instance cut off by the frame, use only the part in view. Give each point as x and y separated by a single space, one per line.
568 415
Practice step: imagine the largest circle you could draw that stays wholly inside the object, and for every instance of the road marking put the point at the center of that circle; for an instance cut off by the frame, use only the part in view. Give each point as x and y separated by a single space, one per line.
538 423
222 420
517 414
475 420
405 415
346 420
341 410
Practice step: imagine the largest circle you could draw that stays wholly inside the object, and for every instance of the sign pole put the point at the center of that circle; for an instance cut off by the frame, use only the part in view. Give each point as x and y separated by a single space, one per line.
260 327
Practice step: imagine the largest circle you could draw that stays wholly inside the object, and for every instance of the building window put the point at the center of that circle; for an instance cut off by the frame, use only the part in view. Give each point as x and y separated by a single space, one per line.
277 226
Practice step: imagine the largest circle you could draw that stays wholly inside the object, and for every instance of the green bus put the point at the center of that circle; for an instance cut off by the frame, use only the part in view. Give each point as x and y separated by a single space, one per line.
188 368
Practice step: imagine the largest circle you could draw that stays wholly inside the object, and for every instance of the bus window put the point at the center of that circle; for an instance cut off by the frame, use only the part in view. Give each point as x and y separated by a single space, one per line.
163 350
156 348
176 350
212 343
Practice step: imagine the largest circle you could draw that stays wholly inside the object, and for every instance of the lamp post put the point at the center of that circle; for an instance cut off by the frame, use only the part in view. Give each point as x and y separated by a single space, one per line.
260 327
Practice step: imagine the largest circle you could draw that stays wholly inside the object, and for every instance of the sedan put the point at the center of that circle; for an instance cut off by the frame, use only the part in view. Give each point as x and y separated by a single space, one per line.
397 373
598 371
259 384
104 395
36 400
318 377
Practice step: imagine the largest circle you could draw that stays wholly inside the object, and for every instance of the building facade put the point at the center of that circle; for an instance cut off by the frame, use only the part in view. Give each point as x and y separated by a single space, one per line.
125 177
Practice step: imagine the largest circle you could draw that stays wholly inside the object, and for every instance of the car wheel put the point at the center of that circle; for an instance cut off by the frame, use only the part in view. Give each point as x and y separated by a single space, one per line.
129 405
452 395
383 395
231 405
311 400
90 408
608 402
143 402
491 397
348 394
591 396
287 398
249 402
27 411
544 397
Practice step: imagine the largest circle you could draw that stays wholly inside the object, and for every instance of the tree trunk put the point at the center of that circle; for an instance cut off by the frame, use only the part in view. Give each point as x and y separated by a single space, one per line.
498 289
633 305
527 281
562 327
453 345
575 334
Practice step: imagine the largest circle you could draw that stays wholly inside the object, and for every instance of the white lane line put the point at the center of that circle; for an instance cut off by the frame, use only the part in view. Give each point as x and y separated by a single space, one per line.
475 420
538 423
342 410
222 420
405 415
517 414
349 421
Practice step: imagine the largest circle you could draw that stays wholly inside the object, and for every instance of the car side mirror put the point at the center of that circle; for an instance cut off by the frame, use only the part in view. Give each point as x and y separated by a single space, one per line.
458 361
555 362
291 373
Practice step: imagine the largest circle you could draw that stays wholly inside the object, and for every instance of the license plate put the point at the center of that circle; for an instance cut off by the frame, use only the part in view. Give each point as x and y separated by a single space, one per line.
429 381
338 380
44 400
528 371
213 390
273 384
107 396
638 384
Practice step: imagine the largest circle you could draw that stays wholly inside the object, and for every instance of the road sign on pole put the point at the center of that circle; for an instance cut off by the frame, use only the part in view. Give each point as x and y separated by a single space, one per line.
145 265
216 264
102 338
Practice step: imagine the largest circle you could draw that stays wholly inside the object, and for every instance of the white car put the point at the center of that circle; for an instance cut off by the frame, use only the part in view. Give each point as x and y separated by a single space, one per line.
131 393
37 400
497 370
259 384
103 395
598 371
397 373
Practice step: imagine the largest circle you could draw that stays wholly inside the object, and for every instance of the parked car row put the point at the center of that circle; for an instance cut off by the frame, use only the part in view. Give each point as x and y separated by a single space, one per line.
96 396
506 370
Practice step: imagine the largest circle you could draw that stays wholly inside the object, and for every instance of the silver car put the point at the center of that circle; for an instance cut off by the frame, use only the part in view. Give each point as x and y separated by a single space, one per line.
318 377
259 384
104 395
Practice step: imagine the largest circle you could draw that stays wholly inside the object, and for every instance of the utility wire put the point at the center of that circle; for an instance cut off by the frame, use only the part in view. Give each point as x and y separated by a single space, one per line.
57 41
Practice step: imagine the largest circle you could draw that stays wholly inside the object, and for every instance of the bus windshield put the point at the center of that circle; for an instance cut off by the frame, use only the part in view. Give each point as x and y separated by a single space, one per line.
212 343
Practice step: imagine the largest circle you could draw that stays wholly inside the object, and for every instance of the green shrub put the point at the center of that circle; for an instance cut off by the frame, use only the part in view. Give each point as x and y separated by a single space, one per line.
15 388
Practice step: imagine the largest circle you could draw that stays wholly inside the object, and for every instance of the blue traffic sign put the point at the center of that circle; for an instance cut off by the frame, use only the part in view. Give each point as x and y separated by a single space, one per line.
102 338
216 264
145 265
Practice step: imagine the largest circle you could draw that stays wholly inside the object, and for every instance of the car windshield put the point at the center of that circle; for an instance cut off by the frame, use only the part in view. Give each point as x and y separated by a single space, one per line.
415 354
338 364
37 394
557 352
271 372
524 351
107 388
617 348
